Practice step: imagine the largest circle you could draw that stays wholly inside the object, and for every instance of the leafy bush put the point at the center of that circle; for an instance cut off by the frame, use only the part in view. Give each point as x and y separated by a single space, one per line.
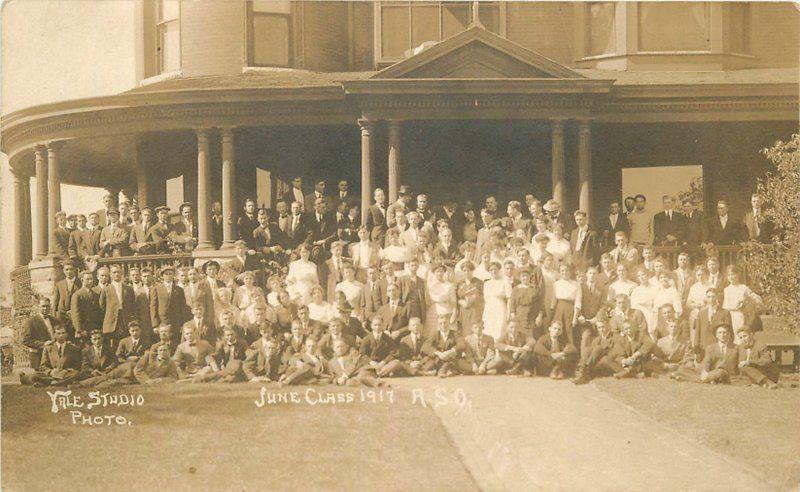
775 267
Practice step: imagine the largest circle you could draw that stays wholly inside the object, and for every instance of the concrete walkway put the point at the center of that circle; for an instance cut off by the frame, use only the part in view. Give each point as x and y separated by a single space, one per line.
538 434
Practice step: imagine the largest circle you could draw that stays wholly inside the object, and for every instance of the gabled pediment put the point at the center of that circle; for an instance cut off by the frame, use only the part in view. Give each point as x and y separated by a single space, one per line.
480 54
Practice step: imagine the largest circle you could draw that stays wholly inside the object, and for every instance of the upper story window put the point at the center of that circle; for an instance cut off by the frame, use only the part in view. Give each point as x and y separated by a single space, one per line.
674 26
600 28
168 36
269 30
403 26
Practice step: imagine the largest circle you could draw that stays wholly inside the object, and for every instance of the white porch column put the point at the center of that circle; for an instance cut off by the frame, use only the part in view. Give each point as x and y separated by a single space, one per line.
42 236
203 188
558 161
228 190
367 128
585 165
22 221
53 190
394 159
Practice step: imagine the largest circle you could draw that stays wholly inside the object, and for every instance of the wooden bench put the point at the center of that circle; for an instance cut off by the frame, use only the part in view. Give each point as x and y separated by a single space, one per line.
779 350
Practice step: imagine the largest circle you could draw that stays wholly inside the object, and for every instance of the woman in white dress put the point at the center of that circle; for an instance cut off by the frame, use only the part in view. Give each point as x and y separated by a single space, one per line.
696 297
318 309
351 288
538 246
558 246
642 297
247 297
665 293
442 299
495 303
223 301
739 300
395 251
621 285
482 271
302 277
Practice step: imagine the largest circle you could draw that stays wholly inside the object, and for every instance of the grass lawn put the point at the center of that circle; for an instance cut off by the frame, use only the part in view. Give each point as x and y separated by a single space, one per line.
750 425
214 437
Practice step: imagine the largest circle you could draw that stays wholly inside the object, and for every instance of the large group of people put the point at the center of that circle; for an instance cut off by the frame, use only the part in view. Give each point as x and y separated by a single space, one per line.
313 294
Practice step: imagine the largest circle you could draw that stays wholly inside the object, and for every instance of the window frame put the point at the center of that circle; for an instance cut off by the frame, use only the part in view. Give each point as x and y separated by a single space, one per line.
746 29
250 35
587 32
160 29
709 30
378 22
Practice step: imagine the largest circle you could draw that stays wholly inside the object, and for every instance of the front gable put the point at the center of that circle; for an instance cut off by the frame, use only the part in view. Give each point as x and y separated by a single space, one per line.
479 54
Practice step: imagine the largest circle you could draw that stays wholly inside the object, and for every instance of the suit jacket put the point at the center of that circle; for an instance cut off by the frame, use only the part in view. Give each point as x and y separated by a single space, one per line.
265 238
348 198
168 307
376 223
206 331
201 292
397 321
224 353
624 348
190 357
355 254
347 229
115 241
544 347
477 353
609 230
60 242
62 297
633 315
325 345
718 235
298 234
149 367
112 306
330 276
414 292
438 343
52 359
408 350
663 226
83 243
85 311
703 332
671 351
760 230
383 350
760 358
715 359
372 299
311 199
35 332
350 365
127 348
257 364
244 229
684 283
138 236
590 249
447 255
695 227
104 362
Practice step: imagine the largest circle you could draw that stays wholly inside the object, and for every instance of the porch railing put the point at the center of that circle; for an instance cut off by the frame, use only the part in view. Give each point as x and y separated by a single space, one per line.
153 262
728 255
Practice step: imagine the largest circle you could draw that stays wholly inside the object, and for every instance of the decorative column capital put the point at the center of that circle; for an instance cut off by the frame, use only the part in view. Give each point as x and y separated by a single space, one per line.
558 124
585 125
227 133
202 133
55 145
366 125
39 150
394 125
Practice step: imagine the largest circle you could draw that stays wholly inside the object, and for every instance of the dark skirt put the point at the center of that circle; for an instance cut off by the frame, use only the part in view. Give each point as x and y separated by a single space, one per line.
564 313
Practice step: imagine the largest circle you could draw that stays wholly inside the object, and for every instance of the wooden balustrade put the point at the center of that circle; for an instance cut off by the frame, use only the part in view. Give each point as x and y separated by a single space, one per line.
153 262
728 255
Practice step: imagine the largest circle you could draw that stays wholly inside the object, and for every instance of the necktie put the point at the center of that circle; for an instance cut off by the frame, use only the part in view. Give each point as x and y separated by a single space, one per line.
556 346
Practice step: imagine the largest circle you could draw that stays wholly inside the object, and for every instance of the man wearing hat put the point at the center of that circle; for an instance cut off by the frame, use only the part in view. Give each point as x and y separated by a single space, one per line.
403 202
168 303
185 231
115 237
553 213
138 240
351 326
158 232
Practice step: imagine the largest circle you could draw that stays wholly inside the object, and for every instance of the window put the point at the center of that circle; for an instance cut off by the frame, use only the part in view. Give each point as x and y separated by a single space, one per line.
739 27
674 26
600 33
168 36
406 25
269 33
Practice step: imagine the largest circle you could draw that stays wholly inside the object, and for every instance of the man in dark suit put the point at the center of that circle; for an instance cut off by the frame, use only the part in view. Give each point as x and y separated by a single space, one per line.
264 364
159 232
322 226
554 355
708 318
455 220
515 352
298 228
722 230
295 193
381 349
349 367
669 225
629 354
444 348
247 222
759 228
721 358
415 361
372 296
395 314
156 366
583 242
38 330
60 362
243 262
118 303
615 221
755 361
138 235
414 289
332 270
376 217
204 326
63 292
695 223
343 196
479 351
168 303
60 237
267 238
310 200
446 250
98 360
85 313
